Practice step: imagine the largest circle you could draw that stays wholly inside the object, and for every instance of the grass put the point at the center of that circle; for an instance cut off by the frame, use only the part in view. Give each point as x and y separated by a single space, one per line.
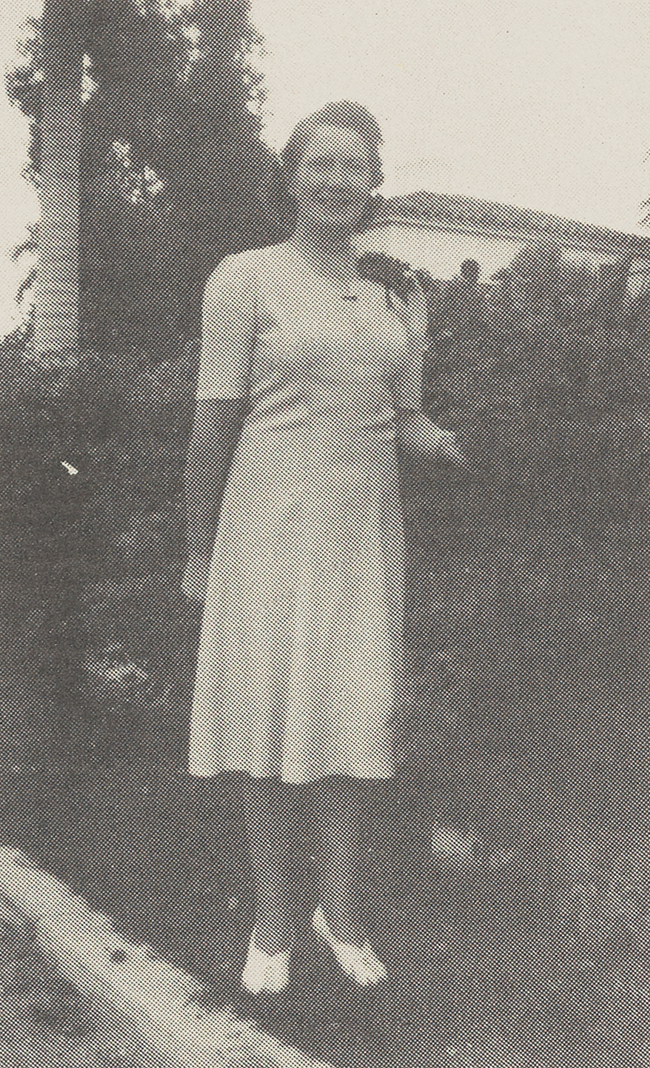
535 953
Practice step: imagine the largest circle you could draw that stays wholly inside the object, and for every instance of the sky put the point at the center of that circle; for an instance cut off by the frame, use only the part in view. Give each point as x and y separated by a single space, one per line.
542 104
545 104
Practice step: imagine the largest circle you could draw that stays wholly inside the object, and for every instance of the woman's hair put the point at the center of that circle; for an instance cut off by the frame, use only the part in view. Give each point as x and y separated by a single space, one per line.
345 114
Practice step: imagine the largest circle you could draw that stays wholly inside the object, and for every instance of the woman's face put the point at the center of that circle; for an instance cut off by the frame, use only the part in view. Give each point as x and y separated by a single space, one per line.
334 179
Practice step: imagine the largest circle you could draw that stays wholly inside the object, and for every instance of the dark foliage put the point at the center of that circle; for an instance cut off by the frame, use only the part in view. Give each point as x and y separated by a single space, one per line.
529 570
387 271
173 166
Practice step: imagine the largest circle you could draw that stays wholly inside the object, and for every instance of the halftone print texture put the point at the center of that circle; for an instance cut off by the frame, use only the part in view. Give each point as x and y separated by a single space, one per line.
407 729
300 645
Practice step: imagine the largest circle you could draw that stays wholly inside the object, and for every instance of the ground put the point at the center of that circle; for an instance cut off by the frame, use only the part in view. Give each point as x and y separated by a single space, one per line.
44 1020
535 953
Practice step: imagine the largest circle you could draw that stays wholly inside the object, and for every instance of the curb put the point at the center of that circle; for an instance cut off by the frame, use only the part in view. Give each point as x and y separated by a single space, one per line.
128 980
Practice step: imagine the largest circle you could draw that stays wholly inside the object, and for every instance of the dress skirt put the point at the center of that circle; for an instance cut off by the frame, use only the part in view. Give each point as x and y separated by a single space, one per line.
300 662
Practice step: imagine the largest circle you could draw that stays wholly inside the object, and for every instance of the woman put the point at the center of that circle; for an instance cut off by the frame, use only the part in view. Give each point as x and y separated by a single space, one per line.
309 377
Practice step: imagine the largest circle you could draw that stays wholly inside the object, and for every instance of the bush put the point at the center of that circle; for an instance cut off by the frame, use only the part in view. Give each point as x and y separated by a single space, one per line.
527 570
99 543
534 560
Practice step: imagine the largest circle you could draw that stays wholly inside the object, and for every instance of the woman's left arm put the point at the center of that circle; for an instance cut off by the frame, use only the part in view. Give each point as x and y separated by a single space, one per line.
417 432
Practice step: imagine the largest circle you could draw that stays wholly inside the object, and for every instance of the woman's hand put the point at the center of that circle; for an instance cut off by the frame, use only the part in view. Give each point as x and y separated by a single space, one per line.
420 435
414 311
195 577
447 445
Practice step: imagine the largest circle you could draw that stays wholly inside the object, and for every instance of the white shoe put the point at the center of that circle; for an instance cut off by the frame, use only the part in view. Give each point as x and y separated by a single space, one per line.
359 962
265 971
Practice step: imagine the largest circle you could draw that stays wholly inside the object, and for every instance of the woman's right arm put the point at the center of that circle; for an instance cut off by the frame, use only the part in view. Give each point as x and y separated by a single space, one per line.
217 426
227 338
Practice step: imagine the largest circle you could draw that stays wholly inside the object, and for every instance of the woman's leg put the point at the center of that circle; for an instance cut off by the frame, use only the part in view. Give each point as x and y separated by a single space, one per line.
267 811
337 809
338 816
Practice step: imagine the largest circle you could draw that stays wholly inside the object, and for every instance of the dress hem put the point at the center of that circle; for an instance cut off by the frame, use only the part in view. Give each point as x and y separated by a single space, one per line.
244 773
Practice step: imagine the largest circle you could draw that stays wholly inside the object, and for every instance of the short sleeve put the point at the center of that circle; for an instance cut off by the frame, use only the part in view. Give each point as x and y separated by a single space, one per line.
410 383
227 330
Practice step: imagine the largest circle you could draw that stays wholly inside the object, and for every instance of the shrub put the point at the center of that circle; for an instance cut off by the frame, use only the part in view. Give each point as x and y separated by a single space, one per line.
526 570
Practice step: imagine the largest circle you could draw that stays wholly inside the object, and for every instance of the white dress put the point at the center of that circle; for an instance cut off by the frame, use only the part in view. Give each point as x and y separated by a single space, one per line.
300 658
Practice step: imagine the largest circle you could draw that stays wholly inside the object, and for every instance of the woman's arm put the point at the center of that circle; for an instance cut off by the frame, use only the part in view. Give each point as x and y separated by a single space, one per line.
420 435
217 426
417 433
227 339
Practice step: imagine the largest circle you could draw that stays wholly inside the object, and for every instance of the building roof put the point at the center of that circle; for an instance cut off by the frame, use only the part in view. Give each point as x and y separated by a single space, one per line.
444 211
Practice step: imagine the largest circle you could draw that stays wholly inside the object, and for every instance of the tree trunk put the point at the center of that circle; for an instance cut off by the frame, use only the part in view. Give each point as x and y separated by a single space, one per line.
57 288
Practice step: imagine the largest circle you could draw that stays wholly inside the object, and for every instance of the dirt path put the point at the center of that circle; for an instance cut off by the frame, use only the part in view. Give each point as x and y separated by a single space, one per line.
44 1019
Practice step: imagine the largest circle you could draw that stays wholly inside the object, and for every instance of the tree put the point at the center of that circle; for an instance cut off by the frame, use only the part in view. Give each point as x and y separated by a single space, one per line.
57 301
172 164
